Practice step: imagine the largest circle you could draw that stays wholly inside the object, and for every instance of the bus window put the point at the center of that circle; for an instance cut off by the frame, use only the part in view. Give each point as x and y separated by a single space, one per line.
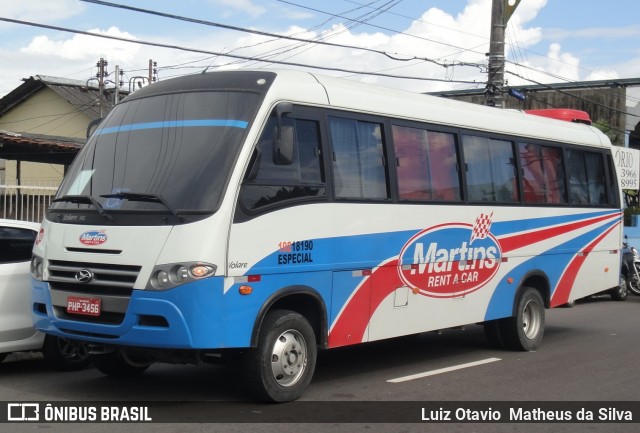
596 178
542 173
426 163
612 186
359 161
268 182
586 178
490 169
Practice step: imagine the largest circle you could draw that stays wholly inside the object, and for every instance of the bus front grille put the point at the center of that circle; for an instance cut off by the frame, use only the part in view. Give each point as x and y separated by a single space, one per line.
112 284
93 277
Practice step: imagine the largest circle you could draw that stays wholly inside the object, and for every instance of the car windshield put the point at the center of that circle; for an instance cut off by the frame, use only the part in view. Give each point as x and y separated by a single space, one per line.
169 154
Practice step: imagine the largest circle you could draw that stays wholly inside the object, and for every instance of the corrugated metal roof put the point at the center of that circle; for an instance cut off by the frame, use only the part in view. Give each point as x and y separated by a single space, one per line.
38 148
83 96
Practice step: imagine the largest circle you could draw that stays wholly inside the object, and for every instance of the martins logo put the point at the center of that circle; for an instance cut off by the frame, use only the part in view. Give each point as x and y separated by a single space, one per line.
451 259
93 238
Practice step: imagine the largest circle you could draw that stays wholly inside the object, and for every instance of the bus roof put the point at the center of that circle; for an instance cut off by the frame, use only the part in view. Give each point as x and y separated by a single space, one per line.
297 86
313 89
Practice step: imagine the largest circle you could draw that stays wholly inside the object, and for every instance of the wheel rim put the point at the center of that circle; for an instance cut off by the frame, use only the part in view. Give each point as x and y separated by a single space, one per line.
622 288
72 350
289 358
531 320
634 286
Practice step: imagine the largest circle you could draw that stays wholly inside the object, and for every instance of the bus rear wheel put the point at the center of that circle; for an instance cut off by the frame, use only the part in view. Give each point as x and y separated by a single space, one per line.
524 331
281 367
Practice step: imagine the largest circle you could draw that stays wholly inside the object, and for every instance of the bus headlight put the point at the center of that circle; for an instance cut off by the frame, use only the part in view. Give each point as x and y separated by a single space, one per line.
37 267
168 276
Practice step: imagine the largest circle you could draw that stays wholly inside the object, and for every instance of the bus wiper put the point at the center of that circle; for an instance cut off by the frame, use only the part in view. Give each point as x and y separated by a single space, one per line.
87 199
151 198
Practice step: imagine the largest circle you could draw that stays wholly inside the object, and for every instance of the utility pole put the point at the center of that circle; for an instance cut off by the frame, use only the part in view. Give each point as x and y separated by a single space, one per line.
116 98
102 72
501 11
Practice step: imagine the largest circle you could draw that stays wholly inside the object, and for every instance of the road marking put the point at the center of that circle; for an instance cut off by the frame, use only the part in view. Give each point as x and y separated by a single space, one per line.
443 370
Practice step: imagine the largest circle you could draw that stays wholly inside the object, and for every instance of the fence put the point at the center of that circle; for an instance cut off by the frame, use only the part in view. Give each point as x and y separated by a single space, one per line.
26 202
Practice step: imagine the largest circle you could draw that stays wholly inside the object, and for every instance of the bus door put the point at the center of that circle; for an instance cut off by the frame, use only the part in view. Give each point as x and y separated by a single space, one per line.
276 220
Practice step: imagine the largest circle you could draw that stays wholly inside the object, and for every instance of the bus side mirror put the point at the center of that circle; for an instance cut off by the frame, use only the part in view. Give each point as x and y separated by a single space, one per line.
92 126
284 140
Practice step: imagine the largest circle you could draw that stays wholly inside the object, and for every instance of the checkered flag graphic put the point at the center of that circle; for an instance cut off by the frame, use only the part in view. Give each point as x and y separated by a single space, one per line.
481 228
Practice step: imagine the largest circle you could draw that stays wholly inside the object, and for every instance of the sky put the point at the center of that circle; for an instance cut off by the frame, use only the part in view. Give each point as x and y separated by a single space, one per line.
417 45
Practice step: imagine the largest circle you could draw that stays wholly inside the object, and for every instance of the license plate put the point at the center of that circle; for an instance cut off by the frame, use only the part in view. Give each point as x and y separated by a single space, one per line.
84 306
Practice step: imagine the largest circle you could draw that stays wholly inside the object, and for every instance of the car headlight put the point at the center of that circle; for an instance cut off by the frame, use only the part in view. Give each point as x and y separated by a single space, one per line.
168 276
37 267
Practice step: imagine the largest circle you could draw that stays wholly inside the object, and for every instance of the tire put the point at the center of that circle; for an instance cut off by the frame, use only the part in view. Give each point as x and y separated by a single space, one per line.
524 331
115 365
633 285
281 367
64 354
3 356
620 293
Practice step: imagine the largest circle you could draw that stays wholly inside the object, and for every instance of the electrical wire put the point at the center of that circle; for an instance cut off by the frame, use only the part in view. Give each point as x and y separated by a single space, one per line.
195 50
564 92
256 32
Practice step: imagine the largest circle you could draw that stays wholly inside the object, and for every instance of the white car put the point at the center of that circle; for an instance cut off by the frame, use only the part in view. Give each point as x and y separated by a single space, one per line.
17 333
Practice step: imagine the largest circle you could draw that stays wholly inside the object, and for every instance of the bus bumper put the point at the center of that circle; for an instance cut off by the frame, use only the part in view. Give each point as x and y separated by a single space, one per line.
191 316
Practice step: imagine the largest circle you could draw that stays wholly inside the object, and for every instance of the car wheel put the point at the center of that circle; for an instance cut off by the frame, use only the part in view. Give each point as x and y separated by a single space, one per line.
620 293
3 356
64 354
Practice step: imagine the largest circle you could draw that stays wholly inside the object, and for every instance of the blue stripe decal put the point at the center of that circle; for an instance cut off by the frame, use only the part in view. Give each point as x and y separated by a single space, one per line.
502 228
501 304
174 124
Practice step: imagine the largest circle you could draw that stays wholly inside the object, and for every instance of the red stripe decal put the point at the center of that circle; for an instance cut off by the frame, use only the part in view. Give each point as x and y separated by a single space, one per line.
351 325
521 240
561 294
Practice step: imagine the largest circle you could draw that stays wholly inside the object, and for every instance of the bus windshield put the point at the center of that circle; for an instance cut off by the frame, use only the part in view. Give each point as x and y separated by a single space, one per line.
165 154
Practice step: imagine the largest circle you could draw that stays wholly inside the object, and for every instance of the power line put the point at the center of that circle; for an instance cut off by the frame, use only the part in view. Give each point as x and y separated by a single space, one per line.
549 104
525 50
303 47
255 32
376 26
564 92
253 58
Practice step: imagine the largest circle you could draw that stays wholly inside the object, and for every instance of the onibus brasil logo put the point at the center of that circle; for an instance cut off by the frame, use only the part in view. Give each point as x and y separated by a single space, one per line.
451 259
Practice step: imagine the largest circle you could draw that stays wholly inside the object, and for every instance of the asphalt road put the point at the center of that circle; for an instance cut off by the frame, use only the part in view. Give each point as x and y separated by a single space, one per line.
589 354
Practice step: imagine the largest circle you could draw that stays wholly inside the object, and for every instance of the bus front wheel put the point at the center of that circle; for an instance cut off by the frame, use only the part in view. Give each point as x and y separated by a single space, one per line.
524 331
281 367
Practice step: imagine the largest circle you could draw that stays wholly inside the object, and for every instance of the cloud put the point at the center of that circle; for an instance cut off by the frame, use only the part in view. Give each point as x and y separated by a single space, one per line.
46 11
436 35
452 40
84 47
244 6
